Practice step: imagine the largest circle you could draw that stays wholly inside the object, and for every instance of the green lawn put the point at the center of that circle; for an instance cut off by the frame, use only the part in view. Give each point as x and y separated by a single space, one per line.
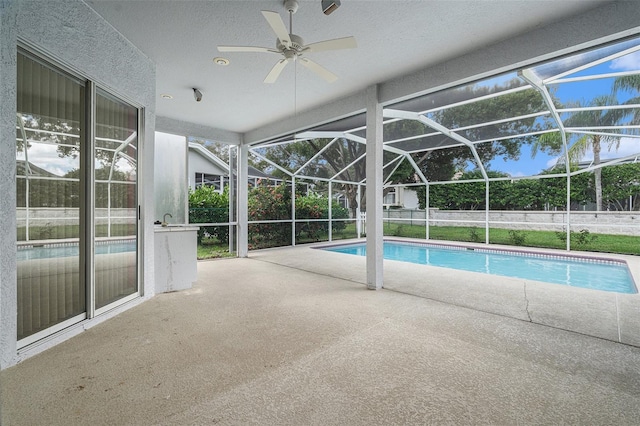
605 243
211 248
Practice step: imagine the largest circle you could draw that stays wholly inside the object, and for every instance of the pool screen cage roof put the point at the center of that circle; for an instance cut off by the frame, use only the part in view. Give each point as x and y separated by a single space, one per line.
535 122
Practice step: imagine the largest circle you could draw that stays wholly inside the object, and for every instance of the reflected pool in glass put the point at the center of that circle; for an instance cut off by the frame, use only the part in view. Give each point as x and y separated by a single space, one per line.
65 250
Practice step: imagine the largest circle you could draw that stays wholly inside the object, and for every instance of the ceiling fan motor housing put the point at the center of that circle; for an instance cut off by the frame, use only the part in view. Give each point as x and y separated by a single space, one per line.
297 44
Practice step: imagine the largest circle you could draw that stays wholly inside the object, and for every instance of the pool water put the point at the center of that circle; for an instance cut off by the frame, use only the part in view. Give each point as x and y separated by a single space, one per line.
66 250
588 273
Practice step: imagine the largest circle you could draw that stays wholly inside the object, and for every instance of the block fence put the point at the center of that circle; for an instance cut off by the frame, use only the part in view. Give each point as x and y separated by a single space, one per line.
615 223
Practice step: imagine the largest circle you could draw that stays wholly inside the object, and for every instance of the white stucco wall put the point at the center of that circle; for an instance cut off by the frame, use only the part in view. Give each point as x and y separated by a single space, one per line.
8 291
72 34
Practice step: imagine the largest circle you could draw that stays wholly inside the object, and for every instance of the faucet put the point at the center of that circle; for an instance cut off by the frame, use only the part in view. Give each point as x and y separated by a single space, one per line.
164 219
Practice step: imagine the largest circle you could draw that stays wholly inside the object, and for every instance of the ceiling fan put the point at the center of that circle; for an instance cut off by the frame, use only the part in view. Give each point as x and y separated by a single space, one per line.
292 47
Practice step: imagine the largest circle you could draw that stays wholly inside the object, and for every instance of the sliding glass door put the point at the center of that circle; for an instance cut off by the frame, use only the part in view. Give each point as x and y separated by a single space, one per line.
76 199
115 201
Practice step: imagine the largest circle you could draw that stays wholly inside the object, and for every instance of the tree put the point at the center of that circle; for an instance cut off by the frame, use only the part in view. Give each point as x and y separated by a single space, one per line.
595 115
441 164
593 142
629 83
219 149
335 161
621 186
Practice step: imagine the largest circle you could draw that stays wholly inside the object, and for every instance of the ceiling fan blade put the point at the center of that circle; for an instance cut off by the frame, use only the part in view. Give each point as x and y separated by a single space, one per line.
276 24
275 71
321 71
246 49
335 44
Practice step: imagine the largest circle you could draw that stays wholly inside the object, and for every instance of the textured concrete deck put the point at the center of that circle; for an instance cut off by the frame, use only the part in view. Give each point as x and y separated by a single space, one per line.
257 341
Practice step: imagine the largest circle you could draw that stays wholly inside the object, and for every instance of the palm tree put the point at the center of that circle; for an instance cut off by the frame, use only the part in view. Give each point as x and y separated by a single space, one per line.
583 143
595 118
629 83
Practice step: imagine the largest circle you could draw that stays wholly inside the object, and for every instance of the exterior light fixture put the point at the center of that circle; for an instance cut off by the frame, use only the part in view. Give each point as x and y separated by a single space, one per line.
328 6
197 94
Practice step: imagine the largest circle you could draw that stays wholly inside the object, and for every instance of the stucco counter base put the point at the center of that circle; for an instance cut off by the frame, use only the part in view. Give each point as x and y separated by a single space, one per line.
175 258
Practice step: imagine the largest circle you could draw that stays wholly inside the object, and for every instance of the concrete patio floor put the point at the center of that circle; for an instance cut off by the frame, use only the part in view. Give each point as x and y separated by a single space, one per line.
264 341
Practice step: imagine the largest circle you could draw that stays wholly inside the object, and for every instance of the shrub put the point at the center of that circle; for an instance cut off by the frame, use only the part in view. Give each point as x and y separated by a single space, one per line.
517 237
473 234
584 237
206 205
269 203
317 207
274 203
581 238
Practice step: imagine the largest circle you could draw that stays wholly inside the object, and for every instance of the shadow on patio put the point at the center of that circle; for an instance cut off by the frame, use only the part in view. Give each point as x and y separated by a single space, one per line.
259 342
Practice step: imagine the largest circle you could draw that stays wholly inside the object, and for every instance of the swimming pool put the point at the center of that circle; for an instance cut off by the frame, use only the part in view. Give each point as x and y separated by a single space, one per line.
607 275
72 249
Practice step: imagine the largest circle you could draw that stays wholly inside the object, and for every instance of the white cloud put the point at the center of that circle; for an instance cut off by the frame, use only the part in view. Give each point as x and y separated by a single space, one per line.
552 162
628 146
630 62
46 157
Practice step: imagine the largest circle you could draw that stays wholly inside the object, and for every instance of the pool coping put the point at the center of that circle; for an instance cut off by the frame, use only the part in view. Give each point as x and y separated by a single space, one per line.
604 314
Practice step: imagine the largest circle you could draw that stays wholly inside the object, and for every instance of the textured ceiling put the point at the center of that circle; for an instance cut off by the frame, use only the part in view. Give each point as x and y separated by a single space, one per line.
395 37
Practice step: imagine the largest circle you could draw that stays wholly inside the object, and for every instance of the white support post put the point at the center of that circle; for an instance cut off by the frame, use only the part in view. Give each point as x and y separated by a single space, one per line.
243 196
233 196
426 211
330 213
486 213
358 213
568 211
374 191
293 211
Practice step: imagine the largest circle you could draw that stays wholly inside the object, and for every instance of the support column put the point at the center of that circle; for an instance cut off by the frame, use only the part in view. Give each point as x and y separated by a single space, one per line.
293 211
331 212
243 197
486 212
233 195
374 191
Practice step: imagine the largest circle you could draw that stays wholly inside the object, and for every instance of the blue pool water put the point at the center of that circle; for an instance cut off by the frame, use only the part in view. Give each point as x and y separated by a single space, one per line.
571 271
65 250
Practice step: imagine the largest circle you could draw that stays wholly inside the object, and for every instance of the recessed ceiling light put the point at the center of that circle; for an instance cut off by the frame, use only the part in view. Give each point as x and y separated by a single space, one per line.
166 96
221 61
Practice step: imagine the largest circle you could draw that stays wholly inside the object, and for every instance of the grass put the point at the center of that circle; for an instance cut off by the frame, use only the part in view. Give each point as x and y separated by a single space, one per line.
603 243
211 248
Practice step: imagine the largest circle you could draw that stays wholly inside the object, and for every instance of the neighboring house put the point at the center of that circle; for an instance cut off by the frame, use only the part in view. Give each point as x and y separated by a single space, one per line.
205 168
401 196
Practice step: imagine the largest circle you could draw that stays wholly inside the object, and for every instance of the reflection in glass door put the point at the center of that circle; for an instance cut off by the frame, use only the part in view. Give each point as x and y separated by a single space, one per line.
115 202
50 137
